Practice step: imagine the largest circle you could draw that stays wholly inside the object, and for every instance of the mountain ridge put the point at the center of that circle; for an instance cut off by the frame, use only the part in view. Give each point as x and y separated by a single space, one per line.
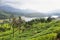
27 12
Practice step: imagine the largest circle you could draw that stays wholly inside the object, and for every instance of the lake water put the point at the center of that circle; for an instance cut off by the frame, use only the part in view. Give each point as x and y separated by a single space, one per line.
27 18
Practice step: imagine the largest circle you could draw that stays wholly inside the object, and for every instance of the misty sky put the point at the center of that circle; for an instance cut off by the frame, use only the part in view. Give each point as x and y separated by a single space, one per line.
38 5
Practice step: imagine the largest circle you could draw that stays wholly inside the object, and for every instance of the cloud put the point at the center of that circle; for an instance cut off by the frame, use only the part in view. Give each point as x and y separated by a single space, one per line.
38 5
10 2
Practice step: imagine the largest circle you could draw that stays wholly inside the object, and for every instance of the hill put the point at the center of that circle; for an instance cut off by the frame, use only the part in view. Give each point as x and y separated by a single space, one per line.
35 31
21 12
4 14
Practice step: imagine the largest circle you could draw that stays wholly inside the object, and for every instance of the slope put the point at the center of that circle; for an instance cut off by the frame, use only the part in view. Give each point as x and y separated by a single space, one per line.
4 14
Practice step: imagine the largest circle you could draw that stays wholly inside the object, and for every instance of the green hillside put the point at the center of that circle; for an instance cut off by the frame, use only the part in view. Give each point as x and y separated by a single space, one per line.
33 30
4 14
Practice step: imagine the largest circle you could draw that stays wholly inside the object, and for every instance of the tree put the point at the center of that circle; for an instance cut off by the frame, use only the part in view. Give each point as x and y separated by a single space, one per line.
42 20
13 24
49 19
19 23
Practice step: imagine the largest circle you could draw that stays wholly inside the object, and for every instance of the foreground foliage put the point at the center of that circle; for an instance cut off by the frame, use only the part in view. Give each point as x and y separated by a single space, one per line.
33 30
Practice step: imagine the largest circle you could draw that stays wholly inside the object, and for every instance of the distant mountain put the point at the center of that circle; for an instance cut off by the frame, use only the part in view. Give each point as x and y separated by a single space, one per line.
54 12
21 12
36 14
14 10
27 12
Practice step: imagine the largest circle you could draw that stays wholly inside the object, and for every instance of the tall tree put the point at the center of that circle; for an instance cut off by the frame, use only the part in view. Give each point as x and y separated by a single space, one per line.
13 24
19 23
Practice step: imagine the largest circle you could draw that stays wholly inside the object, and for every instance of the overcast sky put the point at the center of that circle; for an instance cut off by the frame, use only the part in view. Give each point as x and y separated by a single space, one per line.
38 5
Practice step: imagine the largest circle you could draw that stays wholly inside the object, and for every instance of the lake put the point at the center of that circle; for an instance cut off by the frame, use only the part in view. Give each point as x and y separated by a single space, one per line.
28 18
